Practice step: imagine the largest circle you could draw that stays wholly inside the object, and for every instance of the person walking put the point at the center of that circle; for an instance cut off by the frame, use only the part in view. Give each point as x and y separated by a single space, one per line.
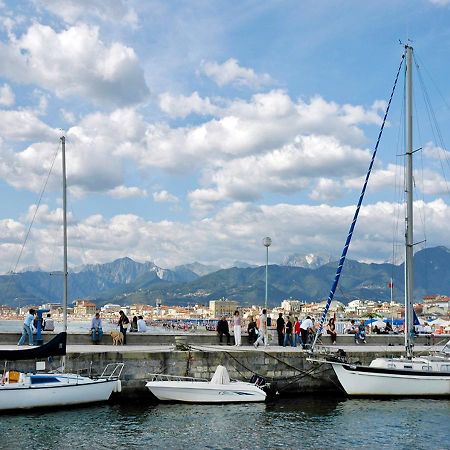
288 333
297 335
262 336
306 328
223 329
237 329
124 324
280 329
26 330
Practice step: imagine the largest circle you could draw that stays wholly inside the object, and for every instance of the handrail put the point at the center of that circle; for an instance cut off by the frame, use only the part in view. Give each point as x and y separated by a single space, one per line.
115 370
166 377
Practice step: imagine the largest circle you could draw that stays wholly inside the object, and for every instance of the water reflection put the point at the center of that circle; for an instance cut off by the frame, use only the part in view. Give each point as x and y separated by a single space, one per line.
304 422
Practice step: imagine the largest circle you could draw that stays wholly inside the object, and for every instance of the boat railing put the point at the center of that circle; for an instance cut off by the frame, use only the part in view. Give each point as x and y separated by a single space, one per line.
165 377
112 371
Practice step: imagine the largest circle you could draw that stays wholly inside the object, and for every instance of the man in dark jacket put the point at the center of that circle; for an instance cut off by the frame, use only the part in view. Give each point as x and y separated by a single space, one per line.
280 329
222 329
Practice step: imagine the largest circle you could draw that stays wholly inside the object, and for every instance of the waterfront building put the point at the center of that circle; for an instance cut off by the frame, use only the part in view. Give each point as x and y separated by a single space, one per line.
222 307
84 308
292 306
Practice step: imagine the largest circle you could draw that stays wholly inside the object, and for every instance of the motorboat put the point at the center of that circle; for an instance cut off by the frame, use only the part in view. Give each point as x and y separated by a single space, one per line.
220 389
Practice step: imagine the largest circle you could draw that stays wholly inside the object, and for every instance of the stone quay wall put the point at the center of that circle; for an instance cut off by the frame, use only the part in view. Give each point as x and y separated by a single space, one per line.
287 369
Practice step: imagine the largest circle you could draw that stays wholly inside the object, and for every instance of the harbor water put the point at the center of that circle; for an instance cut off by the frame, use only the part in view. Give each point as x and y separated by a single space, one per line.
300 423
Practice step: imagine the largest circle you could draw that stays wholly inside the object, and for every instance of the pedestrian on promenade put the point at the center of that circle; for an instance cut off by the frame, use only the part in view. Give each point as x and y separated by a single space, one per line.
26 330
331 330
49 324
288 328
252 330
361 333
306 328
134 325
124 325
297 335
96 329
237 329
141 325
223 329
280 329
351 327
262 330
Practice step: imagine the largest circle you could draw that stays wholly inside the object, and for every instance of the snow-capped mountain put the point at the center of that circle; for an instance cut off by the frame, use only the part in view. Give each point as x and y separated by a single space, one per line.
308 261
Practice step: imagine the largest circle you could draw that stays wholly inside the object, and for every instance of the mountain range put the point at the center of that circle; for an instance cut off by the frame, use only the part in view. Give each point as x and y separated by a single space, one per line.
125 281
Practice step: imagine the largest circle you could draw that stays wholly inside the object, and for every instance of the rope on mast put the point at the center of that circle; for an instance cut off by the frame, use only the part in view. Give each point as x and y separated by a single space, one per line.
355 217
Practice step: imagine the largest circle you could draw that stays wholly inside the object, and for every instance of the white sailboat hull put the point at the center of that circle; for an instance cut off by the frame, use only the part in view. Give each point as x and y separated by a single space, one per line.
69 390
206 392
378 382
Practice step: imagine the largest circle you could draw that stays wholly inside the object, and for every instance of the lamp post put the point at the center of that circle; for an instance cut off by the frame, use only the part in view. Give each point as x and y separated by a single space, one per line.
266 242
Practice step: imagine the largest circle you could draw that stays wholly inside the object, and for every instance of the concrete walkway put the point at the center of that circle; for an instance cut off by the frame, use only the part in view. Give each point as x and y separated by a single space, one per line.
231 348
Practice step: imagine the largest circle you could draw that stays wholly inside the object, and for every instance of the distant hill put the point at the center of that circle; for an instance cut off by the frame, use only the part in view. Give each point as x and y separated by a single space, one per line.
126 281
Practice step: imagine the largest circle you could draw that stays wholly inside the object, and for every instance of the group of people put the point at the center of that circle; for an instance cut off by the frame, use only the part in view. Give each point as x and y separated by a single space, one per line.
137 324
31 323
358 330
294 332
257 330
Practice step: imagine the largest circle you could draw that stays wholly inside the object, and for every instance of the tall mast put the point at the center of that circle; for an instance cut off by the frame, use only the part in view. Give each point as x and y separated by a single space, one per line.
409 243
63 153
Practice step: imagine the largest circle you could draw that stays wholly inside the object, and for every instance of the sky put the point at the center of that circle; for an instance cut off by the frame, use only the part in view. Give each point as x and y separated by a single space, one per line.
196 128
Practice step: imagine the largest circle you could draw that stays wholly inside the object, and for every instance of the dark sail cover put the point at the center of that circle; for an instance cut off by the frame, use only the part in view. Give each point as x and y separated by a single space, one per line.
55 347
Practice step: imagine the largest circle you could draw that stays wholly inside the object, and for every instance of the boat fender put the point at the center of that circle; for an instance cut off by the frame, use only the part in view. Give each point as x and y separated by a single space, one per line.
118 386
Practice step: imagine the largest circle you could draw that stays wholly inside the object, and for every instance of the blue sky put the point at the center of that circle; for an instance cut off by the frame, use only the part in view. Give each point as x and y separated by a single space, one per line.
196 128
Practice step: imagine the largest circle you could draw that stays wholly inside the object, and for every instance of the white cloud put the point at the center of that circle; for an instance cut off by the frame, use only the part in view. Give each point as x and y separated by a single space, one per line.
24 125
126 192
288 169
236 230
72 11
74 62
7 97
230 72
182 106
265 122
164 196
440 2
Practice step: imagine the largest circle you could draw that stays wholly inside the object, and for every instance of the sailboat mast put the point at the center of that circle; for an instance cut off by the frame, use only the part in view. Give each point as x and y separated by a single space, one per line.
63 153
409 242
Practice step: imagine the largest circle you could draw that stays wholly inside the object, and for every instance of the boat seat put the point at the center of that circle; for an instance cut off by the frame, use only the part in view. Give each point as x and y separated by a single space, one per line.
220 376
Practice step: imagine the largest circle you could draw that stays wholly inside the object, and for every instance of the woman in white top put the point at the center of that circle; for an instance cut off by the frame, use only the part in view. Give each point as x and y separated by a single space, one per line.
237 329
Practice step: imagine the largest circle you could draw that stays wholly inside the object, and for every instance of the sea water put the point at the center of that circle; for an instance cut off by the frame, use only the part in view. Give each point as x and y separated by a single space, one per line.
299 423
76 326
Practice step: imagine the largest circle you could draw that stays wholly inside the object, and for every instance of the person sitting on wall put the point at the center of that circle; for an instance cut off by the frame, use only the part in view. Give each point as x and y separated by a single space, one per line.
223 329
141 325
96 329
49 324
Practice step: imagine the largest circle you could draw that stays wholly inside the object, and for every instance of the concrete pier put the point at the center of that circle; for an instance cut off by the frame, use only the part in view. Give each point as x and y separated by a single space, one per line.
285 367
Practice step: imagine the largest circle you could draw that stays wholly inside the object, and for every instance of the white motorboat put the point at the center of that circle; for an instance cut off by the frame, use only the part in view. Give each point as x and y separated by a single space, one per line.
408 376
54 389
220 389
42 390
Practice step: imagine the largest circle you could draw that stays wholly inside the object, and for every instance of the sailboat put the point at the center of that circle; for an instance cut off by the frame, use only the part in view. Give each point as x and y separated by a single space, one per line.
407 376
19 390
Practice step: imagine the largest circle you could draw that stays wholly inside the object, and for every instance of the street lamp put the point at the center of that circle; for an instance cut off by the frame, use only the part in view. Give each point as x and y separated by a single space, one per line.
266 242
